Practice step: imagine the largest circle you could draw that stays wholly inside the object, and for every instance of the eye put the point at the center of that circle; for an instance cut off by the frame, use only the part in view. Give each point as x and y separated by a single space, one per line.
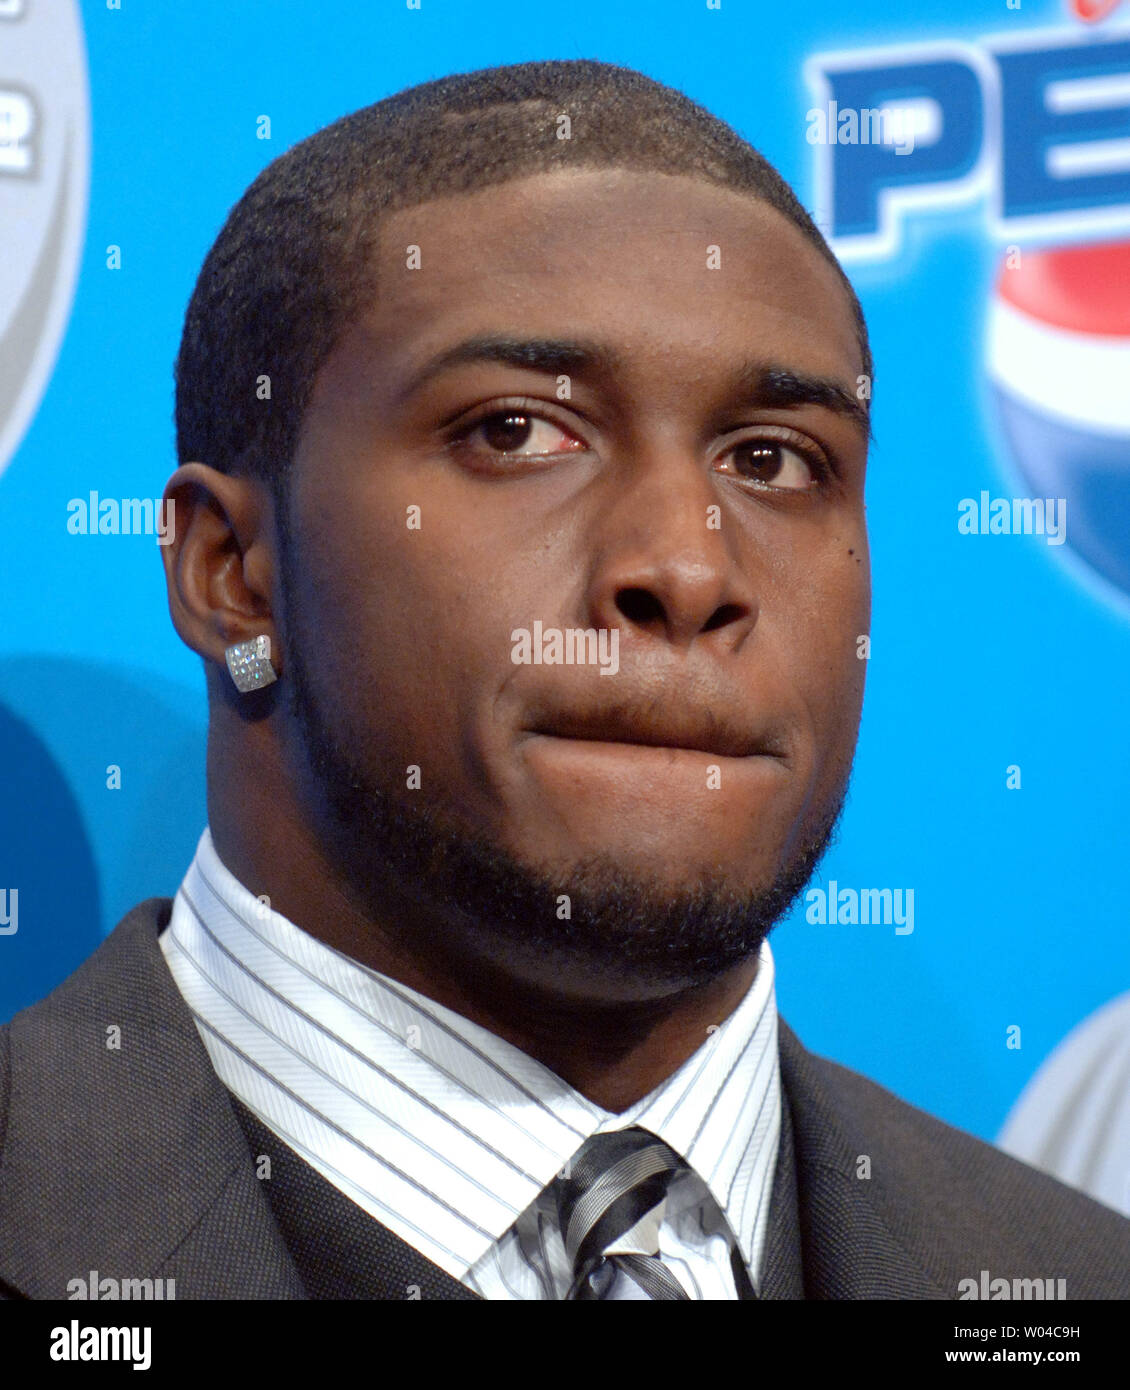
787 465
517 432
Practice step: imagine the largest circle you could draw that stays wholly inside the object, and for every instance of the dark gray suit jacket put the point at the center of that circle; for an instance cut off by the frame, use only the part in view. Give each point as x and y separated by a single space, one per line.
135 1162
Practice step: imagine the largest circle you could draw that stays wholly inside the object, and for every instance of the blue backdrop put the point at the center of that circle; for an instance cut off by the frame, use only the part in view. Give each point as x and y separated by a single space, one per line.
990 652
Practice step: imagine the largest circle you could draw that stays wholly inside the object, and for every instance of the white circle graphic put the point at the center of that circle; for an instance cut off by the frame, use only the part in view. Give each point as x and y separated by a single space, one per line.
44 177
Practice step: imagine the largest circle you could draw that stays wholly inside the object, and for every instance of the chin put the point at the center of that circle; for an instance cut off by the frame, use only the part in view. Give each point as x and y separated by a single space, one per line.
659 870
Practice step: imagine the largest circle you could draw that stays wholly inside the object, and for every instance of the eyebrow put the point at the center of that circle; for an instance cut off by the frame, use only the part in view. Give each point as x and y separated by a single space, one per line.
760 383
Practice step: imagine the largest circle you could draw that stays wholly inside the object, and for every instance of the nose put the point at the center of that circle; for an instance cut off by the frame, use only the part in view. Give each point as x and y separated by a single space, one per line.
665 564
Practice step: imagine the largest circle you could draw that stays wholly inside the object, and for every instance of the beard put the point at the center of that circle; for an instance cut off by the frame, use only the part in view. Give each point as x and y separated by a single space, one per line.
438 890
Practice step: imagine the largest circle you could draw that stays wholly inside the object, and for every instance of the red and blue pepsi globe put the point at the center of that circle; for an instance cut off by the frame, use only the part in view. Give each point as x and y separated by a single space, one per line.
1059 364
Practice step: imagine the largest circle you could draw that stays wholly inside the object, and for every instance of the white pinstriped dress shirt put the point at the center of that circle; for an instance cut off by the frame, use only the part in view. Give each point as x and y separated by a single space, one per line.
447 1134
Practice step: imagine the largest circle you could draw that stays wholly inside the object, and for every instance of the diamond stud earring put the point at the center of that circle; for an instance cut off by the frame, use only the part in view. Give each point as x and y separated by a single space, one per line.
250 664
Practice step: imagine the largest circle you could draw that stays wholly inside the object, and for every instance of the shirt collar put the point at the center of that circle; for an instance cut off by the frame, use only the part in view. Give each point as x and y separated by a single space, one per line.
720 1110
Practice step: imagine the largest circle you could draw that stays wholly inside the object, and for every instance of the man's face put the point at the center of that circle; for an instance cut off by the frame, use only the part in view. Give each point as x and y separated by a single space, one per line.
646 483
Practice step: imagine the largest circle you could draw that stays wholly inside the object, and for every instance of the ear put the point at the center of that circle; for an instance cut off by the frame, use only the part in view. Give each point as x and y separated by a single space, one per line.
220 561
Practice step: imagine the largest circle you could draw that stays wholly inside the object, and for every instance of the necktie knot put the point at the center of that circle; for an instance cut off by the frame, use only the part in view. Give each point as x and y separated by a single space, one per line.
616 1181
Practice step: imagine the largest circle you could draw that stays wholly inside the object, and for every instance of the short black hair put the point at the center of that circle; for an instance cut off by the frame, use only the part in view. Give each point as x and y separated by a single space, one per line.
292 265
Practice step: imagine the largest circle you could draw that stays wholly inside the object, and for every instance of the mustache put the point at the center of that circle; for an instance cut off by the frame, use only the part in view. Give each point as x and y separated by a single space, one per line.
662 721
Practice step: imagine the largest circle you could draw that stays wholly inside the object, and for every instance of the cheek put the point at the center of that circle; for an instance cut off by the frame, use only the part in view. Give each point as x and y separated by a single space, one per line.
397 620
826 626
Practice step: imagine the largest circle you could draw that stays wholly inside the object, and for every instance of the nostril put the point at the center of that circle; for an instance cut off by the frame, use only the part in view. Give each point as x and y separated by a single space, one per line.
639 605
725 613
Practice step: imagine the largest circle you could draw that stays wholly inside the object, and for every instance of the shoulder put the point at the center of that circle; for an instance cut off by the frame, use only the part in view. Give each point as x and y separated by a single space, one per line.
121 1149
123 982
127 955
962 1204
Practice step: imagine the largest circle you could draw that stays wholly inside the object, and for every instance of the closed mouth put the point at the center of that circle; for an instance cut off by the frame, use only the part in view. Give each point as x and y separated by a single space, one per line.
698 736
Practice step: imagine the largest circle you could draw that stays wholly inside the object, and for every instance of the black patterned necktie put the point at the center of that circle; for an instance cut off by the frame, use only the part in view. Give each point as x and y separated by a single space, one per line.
615 1180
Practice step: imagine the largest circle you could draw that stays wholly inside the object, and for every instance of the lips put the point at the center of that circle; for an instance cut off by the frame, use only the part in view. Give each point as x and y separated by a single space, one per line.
697 731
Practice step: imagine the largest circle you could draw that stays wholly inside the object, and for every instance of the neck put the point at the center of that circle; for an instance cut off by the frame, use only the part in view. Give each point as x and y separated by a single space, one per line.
613 1051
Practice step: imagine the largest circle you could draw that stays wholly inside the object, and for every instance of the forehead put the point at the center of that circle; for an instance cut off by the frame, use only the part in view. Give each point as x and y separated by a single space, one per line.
665 269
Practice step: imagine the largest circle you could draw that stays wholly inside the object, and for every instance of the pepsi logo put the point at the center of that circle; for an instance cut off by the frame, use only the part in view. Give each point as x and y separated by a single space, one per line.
1058 360
1091 11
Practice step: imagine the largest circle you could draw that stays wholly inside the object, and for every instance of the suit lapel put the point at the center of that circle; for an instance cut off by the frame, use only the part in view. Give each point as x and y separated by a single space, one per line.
122 1154
340 1251
850 1250
782 1274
